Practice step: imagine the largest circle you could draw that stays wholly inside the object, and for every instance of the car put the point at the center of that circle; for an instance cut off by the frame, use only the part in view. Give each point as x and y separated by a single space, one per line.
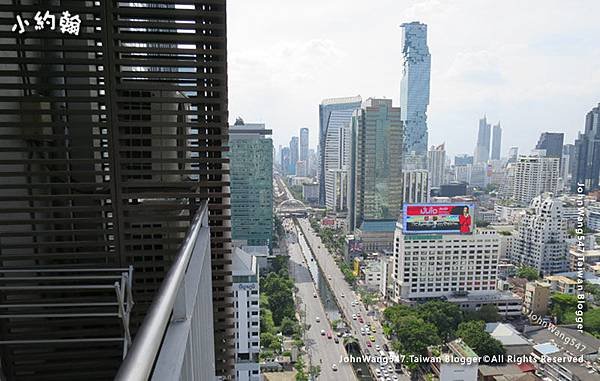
340 334
322 332
378 348
318 319
386 347
314 294
394 377
373 329
372 338
390 369
369 344
329 335
329 277
360 320
336 340
353 316
377 372
342 295
334 367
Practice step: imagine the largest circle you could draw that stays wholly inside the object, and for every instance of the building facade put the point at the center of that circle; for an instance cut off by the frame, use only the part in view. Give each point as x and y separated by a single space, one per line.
376 182
251 173
482 149
463 159
107 151
246 294
587 153
437 165
414 93
303 154
338 146
540 240
415 186
551 143
434 266
326 107
534 175
294 154
496 142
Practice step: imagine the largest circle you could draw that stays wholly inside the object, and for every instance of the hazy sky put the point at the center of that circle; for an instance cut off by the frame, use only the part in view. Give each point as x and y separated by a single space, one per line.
532 65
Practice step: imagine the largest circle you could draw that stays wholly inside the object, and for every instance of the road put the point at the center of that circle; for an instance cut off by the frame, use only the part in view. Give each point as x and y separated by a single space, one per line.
324 352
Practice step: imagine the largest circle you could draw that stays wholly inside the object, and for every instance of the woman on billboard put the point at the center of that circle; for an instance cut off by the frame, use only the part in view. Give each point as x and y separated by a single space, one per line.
465 221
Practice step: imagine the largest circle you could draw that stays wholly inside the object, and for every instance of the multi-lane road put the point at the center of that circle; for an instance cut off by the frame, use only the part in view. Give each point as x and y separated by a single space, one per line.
323 351
345 297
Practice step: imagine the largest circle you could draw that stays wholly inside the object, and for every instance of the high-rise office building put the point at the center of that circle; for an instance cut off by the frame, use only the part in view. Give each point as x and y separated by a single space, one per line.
338 145
551 143
415 186
326 107
482 149
251 173
414 93
436 158
540 241
294 154
534 175
285 160
496 141
567 165
313 162
110 142
376 177
587 151
463 159
303 154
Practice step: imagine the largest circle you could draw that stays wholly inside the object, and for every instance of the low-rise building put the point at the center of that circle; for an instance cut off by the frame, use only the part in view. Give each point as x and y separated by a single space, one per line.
372 273
247 315
562 284
537 298
458 362
376 235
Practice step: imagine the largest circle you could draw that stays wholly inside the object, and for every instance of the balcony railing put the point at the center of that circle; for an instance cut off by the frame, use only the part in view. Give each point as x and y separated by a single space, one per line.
176 339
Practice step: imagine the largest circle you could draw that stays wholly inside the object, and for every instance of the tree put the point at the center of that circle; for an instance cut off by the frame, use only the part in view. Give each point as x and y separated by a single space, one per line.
528 272
591 321
289 327
474 335
563 307
445 316
300 372
414 335
315 371
279 264
351 344
368 298
489 313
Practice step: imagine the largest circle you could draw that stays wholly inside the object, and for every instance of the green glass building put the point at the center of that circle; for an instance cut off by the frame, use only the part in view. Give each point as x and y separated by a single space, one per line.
251 174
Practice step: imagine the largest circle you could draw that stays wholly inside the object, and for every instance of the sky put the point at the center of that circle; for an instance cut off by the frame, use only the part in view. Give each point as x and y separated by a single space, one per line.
533 66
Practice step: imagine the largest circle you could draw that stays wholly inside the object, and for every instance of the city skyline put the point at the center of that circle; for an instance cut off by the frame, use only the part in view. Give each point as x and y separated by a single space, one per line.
490 72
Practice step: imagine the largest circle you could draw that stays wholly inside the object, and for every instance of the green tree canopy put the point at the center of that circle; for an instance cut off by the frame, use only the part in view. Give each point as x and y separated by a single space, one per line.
474 335
528 272
445 316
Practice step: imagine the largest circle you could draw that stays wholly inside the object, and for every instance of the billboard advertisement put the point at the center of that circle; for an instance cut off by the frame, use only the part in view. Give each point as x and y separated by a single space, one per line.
438 218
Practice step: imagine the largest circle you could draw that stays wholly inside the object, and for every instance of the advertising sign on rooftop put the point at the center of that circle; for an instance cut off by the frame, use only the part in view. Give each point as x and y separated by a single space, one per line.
438 218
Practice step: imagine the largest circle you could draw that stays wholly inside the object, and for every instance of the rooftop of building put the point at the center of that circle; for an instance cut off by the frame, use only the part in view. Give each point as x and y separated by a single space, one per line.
243 263
542 335
560 279
495 295
335 101
506 334
372 226
587 276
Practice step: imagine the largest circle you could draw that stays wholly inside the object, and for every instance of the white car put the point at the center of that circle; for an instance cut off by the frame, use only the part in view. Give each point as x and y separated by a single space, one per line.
377 347
353 316
333 367
342 295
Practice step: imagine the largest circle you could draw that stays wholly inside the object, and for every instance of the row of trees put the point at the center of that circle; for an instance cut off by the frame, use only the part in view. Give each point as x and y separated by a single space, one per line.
564 307
414 329
277 312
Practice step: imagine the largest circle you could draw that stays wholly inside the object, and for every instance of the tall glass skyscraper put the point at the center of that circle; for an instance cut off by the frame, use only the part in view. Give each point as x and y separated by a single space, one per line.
414 92
496 141
294 154
326 107
587 153
482 149
251 174
304 145
376 176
